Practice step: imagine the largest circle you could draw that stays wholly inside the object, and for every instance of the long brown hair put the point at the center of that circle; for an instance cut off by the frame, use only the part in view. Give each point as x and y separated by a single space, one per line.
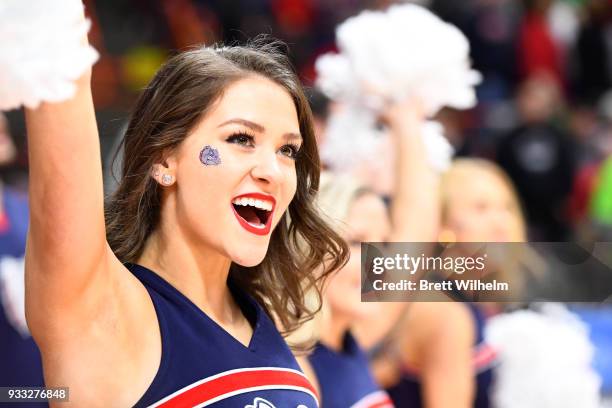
179 95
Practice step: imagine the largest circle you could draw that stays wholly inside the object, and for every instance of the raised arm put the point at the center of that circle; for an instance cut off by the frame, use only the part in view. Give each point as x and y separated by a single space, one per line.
66 241
415 208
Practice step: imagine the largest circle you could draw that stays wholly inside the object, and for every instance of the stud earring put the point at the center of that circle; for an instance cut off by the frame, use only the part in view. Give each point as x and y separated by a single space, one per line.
167 179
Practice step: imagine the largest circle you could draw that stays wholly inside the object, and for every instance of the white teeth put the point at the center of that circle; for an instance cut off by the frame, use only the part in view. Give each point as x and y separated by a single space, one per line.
261 204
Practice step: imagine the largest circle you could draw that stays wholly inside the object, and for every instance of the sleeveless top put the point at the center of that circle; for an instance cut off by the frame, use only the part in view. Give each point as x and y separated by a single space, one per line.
345 379
203 365
407 392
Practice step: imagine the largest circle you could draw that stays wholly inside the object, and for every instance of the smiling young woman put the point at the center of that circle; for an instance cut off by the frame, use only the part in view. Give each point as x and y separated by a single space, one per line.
168 301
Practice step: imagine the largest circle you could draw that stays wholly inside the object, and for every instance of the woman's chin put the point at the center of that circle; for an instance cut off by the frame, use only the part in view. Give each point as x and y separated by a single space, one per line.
249 259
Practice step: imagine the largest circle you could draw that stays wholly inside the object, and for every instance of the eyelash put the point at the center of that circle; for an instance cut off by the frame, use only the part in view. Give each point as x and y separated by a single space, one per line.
295 150
245 139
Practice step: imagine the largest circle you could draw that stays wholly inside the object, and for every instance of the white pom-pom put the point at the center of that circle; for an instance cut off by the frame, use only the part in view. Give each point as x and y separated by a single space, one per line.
336 77
390 56
12 288
404 52
42 51
545 360
352 140
439 150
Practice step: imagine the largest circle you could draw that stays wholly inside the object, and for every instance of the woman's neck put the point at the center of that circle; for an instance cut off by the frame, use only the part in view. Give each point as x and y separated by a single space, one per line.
333 331
198 273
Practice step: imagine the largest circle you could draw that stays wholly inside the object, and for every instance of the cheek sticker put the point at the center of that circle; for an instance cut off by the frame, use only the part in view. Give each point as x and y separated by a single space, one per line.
209 156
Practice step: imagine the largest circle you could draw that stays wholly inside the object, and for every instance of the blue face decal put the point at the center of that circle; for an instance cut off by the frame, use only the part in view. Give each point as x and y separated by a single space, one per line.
209 156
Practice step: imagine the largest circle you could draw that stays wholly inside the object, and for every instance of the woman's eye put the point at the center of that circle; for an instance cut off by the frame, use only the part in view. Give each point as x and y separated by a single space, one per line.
290 151
241 139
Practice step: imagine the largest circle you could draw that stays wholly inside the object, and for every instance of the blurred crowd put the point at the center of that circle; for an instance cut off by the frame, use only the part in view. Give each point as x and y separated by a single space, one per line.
545 106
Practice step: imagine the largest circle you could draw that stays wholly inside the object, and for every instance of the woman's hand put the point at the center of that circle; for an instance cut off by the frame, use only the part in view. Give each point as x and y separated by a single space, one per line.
404 115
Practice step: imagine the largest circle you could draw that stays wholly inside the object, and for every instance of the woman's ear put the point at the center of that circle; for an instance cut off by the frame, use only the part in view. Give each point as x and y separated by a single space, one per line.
165 172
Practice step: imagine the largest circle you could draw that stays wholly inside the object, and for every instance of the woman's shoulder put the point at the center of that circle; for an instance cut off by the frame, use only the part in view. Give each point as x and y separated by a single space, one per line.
118 338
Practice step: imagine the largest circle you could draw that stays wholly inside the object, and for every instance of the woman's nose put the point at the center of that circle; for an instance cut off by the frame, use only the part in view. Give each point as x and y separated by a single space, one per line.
501 220
266 168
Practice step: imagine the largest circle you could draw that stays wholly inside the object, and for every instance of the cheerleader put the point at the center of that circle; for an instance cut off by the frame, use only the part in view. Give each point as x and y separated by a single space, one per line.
443 357
339 364
160 304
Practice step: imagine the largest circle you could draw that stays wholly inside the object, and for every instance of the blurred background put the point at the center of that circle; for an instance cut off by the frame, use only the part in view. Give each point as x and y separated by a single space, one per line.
545 104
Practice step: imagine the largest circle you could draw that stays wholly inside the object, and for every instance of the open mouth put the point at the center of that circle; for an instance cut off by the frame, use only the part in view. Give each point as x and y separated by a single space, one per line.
254 212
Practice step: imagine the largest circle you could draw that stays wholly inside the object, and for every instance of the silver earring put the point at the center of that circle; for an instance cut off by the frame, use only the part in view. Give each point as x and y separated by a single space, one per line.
166 179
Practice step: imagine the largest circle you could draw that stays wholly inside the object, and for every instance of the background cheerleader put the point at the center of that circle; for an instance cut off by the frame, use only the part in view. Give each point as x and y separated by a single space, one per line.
444 343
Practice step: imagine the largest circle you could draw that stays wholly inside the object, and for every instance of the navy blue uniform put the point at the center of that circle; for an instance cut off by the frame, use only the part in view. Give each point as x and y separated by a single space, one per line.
407 392
203 365
344 377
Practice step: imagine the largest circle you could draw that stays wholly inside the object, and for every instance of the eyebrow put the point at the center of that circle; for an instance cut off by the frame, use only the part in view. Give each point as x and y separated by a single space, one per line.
258 128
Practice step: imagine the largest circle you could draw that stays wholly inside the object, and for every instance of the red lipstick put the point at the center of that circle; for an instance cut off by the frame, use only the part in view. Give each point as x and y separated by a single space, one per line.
254 212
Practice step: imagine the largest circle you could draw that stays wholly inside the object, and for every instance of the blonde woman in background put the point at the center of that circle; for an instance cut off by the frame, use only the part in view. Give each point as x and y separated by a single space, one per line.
338 364
480 204
442 359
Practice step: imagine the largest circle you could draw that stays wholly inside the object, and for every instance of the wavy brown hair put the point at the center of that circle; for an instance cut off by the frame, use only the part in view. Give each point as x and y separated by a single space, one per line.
177 98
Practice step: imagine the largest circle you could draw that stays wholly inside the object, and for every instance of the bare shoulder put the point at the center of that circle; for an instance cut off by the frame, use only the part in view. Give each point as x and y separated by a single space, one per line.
114 344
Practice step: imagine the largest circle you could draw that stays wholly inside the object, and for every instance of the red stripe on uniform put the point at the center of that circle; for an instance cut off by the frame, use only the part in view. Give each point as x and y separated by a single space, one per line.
484 356
232 383
383 404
